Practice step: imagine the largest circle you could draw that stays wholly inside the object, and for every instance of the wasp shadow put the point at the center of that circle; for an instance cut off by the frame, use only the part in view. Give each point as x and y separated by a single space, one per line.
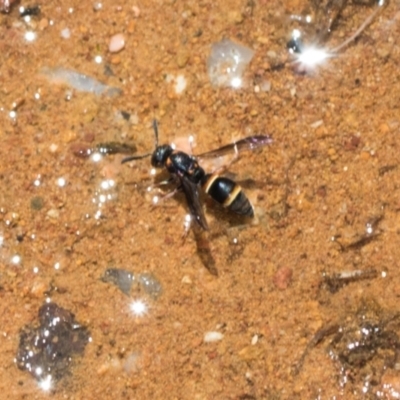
204 251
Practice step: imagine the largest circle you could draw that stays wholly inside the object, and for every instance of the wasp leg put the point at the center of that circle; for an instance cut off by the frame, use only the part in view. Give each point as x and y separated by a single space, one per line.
162 183
157 200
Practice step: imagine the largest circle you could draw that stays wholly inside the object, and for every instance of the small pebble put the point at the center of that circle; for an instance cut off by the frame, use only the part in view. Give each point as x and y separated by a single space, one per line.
317 124
235 17
131 27
180 84
53 213
182 58
250 353
263 39
115 60
53 148
136 11
283 278
66 33
384 51
117 43
97 6
186 279
352 143
213 336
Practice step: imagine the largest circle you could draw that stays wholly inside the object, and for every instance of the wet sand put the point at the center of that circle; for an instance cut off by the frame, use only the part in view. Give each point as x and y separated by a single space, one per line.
326 195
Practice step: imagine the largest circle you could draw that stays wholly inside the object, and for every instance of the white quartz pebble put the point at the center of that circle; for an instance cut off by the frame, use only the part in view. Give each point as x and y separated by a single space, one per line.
213 337
117 43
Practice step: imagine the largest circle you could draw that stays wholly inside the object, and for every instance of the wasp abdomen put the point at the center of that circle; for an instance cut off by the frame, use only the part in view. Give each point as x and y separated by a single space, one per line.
228 193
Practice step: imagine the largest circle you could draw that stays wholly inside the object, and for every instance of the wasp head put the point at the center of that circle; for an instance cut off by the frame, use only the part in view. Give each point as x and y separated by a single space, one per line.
160 155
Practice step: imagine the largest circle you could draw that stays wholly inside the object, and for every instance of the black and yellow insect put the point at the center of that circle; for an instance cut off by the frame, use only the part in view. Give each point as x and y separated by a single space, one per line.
190 176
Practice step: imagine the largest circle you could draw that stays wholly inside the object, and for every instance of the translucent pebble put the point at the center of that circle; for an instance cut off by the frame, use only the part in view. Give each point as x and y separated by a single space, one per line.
78 81
117 43
227 62
150 284
119 277
124 280
213 336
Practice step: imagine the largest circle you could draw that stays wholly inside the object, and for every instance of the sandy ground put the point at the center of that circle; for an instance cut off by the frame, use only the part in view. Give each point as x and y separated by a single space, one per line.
326 195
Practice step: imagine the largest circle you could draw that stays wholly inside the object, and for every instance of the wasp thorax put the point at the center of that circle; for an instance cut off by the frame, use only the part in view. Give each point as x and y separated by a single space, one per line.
160 155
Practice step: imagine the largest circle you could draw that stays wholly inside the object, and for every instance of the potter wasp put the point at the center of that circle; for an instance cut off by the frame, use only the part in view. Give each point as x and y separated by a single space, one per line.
185 171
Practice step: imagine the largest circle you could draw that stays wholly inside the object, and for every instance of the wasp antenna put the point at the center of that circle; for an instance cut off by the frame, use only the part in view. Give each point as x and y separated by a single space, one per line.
131 158
155 127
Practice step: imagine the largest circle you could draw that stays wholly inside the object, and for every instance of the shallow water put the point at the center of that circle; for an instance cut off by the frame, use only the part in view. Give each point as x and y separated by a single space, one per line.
326 197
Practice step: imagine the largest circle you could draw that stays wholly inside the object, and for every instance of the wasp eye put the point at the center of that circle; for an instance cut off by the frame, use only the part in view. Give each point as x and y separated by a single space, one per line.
160 156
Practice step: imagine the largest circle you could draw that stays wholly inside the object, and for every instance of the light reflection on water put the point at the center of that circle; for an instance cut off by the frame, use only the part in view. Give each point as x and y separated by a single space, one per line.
46 383
105 192
139 308
16 259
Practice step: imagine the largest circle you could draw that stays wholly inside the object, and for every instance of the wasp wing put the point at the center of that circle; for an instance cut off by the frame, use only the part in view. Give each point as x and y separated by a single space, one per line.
192 195
248 143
